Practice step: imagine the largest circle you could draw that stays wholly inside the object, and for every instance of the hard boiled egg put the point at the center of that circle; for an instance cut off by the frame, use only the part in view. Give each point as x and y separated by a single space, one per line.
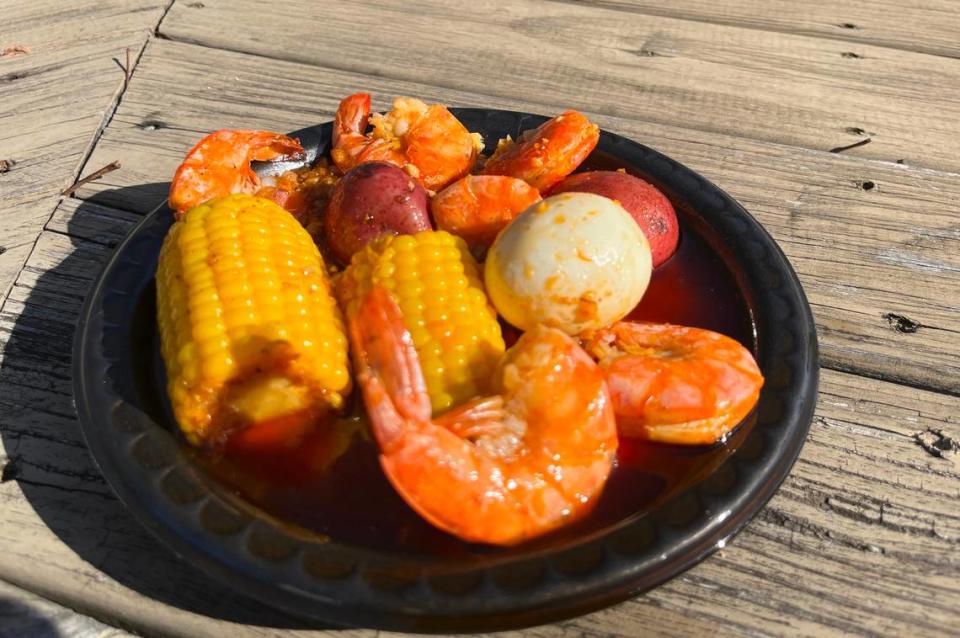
574 261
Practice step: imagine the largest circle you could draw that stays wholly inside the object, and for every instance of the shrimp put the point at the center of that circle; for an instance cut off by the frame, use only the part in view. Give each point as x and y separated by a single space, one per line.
477 207
499 469
427 141
675 384
351 146
220 165
543 156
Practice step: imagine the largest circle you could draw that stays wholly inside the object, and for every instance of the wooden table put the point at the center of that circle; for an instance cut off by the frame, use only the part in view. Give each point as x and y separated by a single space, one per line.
767 98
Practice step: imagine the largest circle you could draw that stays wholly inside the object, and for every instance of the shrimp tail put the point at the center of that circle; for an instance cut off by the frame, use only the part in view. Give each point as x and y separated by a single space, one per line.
388 367
349 124
352 116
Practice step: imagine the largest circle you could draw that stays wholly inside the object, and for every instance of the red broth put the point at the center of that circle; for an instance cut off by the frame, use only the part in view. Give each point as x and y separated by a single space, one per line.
332 484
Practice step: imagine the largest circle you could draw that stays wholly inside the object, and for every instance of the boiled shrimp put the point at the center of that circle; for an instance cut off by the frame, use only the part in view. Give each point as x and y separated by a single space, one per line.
477 207
499 469
351 145
427 141
542 157
675 384
219 165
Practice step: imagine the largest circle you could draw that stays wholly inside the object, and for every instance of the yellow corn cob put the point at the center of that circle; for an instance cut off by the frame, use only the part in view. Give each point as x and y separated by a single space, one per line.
249 330
436 283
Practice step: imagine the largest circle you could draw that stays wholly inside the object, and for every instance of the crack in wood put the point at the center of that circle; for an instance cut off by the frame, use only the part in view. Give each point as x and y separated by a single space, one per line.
847 147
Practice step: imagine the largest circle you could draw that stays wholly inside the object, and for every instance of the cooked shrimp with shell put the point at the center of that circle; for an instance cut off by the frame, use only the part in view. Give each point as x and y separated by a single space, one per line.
503 467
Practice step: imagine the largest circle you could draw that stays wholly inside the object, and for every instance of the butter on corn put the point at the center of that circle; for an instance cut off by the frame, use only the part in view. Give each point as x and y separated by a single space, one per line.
249 329
436 283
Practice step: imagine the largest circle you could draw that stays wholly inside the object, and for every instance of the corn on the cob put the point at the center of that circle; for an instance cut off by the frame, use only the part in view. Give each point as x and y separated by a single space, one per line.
436 283
249 330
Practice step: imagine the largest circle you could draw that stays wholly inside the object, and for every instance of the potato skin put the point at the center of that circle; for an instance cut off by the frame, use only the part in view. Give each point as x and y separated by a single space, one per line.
371 199
650 208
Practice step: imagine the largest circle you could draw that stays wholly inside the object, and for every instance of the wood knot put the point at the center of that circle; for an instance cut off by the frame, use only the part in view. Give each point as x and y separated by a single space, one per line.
851 55
865 185
6 166
151 125
902 324
847 25
937 443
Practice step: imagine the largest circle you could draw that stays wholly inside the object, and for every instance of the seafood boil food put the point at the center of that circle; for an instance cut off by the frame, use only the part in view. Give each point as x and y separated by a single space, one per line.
501 334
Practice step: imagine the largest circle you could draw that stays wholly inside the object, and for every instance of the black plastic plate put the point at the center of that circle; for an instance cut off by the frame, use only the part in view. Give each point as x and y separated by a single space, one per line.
130 433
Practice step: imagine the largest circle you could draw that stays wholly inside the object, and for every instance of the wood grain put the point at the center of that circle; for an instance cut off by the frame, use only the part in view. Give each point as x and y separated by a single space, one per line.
864 536
915 25
55 99
789 89
862 529
862 255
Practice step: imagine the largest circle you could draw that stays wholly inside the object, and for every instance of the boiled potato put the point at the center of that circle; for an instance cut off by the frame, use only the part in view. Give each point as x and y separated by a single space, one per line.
372 199
650 208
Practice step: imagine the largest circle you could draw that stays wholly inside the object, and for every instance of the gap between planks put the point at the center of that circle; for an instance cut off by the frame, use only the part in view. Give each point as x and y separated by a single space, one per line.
874 22
53 61
792 89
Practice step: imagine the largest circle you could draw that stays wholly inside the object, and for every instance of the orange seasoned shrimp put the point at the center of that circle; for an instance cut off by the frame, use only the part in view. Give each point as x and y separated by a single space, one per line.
219 165
500 469
428 141
545 155
477 207
351 146
675 384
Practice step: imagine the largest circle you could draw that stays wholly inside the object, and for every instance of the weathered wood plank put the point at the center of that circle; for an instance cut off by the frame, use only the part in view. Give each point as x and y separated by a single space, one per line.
25 614
776 87
55 99
862 529
917 25
863 255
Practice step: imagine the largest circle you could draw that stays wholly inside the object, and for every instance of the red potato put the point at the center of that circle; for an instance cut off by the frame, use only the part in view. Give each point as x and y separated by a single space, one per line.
650 208
372 199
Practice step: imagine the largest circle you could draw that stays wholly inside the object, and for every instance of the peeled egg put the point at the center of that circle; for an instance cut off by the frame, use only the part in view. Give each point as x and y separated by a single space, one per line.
574 261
